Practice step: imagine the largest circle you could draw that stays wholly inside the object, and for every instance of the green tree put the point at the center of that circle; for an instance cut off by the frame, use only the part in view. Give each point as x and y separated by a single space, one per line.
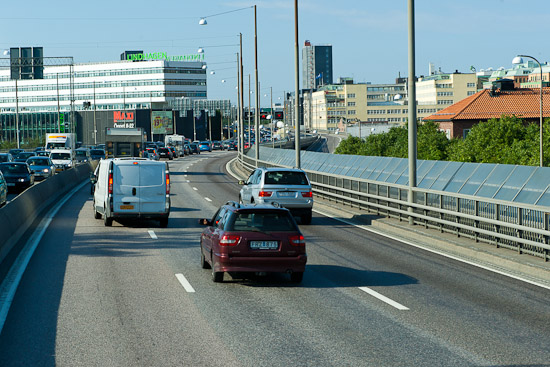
431 142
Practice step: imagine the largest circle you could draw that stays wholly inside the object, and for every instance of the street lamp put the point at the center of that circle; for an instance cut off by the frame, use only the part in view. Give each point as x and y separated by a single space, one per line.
518 60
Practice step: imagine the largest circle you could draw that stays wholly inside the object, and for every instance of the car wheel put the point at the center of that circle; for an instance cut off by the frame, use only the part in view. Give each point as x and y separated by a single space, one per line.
96 214
306 218
163 222
204 263
106 220
217 276
296 277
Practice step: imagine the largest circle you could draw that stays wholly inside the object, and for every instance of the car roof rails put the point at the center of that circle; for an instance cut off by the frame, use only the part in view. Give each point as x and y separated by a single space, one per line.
234 204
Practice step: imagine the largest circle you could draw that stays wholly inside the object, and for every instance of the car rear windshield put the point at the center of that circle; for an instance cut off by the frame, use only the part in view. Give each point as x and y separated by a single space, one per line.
97 152
60 156
265 221
38 162
14 168
285 178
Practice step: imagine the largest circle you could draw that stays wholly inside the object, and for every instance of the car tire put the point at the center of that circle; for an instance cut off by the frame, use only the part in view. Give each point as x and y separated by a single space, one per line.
96 213
106 220
204 263
217 276
296 277
306 218
163 222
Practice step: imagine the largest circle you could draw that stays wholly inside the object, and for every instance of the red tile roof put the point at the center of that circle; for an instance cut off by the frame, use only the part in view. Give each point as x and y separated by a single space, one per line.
523 103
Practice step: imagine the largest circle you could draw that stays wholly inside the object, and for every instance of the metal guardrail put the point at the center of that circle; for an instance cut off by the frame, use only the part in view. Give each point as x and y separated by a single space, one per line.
520 227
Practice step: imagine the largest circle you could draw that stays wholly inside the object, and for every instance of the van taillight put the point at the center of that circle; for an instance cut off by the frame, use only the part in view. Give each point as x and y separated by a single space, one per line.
110 182
297 240
167 183
229 240
265 194
307 194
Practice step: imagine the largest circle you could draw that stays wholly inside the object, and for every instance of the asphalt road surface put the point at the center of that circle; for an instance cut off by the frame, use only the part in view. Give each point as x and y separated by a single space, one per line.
134 295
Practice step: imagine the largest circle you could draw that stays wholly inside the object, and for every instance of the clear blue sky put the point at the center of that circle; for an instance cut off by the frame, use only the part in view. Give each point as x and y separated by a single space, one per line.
369 38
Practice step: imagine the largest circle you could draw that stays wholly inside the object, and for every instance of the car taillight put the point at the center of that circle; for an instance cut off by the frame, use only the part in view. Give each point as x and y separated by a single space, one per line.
110 182
308 194
297 240
229 240
167 183
265 194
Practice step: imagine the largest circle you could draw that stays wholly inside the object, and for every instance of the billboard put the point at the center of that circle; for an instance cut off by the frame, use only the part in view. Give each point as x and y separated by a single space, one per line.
161 122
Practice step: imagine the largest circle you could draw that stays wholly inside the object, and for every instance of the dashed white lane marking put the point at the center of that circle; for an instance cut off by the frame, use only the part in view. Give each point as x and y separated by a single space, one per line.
187 181
153 235
383 298
194 188
186 285
207 199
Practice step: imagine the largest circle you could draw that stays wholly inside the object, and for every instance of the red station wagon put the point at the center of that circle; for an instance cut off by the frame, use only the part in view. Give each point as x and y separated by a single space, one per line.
252 238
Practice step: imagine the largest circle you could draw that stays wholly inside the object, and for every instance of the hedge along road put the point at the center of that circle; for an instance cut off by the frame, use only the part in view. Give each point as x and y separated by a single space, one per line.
121 296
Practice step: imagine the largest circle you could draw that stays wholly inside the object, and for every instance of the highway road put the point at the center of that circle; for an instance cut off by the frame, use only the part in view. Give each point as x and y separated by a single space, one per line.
135 295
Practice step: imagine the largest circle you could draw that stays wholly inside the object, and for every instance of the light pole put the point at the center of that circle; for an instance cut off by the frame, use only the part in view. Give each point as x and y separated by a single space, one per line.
297 87
518 60
257 112
412 110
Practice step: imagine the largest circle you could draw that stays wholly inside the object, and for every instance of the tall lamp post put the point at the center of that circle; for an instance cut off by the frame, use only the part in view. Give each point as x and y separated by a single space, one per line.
518 60
412 110
297 87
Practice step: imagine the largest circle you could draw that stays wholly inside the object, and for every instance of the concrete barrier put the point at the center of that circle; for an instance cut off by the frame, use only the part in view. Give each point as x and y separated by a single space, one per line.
27 210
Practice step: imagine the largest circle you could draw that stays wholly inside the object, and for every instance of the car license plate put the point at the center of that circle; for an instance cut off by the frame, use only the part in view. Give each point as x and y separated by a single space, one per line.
126 207
286 193
11 184
264 245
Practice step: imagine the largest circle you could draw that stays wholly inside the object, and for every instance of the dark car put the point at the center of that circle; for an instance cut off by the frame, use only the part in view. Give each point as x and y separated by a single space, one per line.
23 156
3 190
186 149
18 175
41 167
97 154
165 153
6 157
216 145
82 155
253 239
232 146
15 151
174 151
195 148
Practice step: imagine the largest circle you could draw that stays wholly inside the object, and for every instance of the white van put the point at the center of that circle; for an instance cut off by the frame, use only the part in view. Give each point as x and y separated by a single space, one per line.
131 188
62 159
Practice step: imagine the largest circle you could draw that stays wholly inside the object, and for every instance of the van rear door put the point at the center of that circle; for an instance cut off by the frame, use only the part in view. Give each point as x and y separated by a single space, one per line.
153 187
126 190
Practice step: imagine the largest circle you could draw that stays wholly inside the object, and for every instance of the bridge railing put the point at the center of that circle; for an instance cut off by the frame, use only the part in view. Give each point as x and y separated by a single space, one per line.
518 226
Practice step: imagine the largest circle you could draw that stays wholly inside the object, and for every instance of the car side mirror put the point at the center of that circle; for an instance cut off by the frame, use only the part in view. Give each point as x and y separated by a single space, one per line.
93 178
204 222
242 182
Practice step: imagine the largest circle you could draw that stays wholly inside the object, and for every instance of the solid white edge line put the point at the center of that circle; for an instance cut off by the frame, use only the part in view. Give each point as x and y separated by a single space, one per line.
383 298
13 278
153 235
207 199
186 285
434 251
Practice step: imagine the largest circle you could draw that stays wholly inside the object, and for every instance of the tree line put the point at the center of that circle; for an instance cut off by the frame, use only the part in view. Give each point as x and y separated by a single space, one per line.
506 140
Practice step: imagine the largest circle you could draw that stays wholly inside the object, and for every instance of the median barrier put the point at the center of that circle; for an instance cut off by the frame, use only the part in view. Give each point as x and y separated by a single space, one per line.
23 213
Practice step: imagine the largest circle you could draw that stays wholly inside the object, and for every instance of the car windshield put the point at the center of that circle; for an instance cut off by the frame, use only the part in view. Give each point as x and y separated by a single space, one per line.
38 162
14 168
59 155
285 178
4 158
264 221
80 153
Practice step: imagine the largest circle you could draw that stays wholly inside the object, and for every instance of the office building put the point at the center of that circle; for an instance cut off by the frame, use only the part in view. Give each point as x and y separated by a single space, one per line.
316 65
